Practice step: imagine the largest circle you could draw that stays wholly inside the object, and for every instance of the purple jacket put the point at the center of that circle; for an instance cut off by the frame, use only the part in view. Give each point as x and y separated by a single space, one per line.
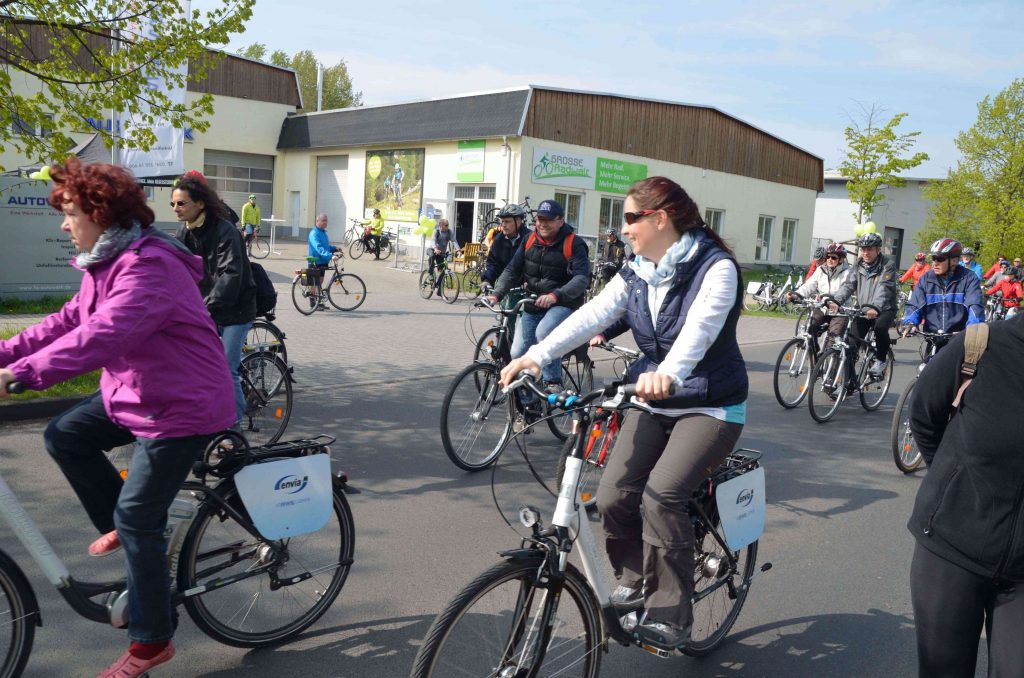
141 318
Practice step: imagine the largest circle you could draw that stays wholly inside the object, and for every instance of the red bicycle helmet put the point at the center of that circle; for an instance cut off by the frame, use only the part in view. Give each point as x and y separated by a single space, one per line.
946 247
919 256
836 248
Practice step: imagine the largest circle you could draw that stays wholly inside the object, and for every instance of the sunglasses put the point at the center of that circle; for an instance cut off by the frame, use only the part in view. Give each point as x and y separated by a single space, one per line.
632 217
833 257
180 203
939 259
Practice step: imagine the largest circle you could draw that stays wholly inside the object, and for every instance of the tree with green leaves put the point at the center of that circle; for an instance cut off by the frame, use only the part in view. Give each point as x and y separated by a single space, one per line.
91 58
338 91
876 155
983 197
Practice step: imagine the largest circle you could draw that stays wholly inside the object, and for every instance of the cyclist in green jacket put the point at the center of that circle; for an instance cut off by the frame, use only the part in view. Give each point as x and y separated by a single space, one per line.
250 219
374 232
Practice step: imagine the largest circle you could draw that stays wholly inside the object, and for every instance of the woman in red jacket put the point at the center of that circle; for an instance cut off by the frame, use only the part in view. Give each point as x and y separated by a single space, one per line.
915 272
1012 291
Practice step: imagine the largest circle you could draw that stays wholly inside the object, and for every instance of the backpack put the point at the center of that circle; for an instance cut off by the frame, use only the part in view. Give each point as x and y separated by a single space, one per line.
566 244
975 343
266 295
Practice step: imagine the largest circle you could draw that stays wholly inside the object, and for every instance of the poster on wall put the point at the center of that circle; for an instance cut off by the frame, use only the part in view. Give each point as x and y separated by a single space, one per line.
394 183
573 170
471 161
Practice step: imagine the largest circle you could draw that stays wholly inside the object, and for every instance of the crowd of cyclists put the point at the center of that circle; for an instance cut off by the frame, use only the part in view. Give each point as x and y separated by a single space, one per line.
678 290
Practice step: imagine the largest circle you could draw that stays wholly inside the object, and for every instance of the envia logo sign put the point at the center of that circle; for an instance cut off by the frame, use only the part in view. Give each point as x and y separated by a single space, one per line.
291 484
745 497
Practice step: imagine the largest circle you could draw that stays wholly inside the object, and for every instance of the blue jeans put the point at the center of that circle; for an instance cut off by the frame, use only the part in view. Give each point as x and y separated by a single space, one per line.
233 338
136 507
534 327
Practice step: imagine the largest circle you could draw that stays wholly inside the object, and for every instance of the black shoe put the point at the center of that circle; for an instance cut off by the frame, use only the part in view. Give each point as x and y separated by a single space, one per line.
662 635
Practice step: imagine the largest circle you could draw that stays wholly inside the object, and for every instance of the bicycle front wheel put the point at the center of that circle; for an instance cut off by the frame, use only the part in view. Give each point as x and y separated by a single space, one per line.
18 618
267 391
471 282
595 457
449 287
793 373
506 623
904 450
577 376
720 591
357 248
347 291
486 346
427 282
801 318
385 249
259 248
873 391
475 420
304 297
298 579
265 336
828 386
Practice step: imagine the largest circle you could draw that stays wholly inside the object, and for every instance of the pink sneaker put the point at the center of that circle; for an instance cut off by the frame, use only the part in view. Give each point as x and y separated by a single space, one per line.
130 666
105 545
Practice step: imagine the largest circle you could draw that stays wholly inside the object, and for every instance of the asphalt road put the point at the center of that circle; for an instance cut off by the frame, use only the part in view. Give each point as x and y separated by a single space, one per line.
836 602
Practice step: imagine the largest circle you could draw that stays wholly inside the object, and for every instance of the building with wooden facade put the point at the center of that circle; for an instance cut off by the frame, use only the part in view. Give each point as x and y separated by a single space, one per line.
460 156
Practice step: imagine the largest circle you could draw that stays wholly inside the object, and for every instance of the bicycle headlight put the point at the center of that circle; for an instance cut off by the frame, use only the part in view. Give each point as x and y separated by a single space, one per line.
529 516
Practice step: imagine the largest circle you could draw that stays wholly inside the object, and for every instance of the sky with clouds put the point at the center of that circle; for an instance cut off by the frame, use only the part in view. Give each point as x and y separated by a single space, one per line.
798 70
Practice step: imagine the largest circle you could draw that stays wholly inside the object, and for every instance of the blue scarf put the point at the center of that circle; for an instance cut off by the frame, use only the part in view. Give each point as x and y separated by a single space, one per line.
680 251
111 242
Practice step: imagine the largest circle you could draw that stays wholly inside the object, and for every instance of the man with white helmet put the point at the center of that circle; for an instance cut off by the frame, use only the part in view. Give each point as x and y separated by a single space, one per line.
968 262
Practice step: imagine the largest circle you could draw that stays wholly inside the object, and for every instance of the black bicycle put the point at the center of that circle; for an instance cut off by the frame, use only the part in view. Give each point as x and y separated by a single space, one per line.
365 244
441 280
314 286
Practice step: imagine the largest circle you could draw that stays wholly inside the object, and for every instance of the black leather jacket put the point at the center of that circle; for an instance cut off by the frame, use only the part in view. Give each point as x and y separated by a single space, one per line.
227 285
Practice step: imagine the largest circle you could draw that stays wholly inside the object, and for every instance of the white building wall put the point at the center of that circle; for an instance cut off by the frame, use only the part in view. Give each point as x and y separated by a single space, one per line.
743 199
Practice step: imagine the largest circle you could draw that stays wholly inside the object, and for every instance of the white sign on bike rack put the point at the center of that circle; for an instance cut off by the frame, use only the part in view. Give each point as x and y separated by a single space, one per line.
287 497
741 506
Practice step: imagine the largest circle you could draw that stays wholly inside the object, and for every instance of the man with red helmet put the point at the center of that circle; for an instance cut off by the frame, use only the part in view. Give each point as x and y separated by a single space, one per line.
915 272
948 297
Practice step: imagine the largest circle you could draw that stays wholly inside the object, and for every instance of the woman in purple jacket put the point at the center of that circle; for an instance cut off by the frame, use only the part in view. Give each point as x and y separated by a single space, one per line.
165 384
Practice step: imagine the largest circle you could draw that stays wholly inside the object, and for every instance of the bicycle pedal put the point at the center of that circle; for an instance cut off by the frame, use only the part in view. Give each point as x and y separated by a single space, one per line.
657 651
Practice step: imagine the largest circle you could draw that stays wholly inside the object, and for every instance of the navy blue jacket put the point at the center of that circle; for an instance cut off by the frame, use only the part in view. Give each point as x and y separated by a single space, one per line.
501 252
720 378
948 305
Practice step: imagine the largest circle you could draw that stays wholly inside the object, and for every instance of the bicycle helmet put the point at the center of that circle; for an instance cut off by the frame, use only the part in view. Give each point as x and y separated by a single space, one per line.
835 248
919 256
512 211
968 252
946 247
1013 272
819 253
869 240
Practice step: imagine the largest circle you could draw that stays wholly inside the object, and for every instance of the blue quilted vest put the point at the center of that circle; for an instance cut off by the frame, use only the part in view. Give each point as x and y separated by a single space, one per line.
720 378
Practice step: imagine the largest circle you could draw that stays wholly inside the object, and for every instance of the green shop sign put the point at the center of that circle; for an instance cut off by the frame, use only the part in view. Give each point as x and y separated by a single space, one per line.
565 168
471 160
616 176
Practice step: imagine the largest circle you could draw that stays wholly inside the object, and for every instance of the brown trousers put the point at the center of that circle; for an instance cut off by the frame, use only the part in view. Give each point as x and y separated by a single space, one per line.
655 467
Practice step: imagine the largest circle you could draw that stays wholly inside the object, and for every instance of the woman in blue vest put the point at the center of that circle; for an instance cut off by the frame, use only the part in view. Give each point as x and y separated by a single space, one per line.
681 297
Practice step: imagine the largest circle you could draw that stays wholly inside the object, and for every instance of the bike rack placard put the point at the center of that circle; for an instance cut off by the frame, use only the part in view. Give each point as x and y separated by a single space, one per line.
741 506
287 497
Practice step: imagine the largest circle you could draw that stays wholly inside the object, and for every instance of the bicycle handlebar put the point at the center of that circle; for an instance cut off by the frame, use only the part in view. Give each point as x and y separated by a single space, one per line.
619 394
621 351
484 303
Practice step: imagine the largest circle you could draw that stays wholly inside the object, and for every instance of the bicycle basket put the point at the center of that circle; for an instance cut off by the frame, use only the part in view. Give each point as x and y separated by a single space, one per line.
287 497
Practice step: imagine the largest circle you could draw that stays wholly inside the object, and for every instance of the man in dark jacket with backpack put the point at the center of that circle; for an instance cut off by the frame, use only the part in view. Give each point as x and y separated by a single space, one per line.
554 264
968 519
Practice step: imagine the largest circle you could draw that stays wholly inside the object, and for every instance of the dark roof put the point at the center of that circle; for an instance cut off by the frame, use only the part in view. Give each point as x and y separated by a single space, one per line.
469 117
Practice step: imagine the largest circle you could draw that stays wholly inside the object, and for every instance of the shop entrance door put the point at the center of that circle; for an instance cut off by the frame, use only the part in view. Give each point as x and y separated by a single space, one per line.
464 221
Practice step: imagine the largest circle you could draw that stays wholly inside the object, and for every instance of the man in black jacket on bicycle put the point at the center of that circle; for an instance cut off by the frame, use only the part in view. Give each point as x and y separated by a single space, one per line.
511 234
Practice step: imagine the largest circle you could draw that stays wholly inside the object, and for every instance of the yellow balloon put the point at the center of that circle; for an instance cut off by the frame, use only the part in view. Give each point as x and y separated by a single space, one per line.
42 174
870 227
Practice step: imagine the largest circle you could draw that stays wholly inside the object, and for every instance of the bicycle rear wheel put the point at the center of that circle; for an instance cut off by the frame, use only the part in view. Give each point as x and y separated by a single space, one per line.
904 449
346 291
475 420
828 386
305 302
577 376
496 626
302 575
259 248
471 282
449 287
19 615
427 282
265 336
872 392
267 391
793 373
357 248
718 595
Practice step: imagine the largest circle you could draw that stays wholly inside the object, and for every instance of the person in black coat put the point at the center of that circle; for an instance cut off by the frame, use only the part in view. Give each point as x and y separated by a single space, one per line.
511 234
968 518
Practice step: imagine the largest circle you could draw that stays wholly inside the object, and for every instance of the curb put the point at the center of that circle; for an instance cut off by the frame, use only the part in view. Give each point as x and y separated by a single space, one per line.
39 408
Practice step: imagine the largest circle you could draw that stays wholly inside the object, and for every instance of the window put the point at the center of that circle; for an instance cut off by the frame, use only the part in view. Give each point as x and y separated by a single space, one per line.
764 237
714 219
47 128
788 238
610 217
19 126
573 204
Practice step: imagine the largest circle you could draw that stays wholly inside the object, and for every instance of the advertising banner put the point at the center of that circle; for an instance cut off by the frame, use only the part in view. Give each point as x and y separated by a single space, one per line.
36 252
471 161
166 157
394 183
572 170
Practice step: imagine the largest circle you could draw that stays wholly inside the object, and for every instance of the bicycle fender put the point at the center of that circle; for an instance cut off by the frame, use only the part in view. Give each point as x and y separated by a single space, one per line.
523 554
31 605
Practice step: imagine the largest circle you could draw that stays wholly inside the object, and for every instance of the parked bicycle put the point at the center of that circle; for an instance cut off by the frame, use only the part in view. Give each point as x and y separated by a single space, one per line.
904 450
535 614
354 231
771 294
440 279
243 582
345 291
830 383
365 244
796 361
477 417
257 247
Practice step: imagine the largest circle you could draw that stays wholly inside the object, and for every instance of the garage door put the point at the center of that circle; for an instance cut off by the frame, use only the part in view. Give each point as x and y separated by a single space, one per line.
331 185
235 176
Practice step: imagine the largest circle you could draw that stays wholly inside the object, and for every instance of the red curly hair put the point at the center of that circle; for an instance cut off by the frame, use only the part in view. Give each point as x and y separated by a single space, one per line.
107 194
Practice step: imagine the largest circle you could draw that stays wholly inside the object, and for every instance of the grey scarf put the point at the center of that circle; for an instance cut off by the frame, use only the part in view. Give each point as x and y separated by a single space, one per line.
111 242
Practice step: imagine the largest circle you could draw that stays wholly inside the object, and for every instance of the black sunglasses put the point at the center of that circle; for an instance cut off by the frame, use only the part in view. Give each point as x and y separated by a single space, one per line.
833 257
939 259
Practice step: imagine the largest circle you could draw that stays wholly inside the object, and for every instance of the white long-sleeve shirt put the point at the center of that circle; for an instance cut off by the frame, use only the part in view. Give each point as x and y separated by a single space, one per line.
704 322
